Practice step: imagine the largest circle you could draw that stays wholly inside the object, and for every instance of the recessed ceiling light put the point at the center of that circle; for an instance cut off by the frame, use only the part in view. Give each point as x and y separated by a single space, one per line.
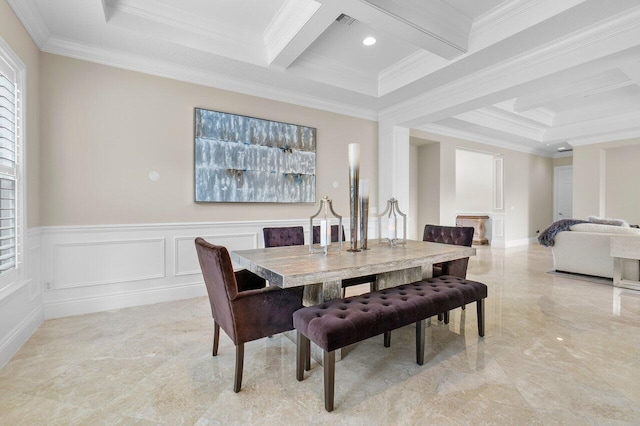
562 148
369 41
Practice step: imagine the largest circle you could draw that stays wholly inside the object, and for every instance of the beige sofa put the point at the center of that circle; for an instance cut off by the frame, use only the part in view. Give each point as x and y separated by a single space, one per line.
585 249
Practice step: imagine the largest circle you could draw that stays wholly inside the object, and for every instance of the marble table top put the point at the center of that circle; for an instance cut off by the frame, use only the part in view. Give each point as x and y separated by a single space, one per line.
296 266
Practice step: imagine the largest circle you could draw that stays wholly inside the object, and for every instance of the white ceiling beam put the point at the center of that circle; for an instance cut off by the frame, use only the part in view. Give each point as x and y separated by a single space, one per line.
613 31
294 28
604 82
433 25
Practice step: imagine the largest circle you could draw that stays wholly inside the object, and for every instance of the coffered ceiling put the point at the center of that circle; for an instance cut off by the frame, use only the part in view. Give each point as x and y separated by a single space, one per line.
532 75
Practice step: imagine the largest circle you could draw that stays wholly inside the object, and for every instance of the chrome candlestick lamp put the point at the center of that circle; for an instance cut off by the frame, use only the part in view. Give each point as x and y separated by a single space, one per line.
354 176
392 213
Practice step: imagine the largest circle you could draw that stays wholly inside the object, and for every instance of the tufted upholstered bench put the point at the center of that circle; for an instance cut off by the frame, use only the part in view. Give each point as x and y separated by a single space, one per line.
338 323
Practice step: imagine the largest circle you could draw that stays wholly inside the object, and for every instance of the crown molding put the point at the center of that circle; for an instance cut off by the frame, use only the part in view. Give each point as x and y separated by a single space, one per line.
504 122
606 137
173 71
613 108
587 130
28 13
620 32
474 137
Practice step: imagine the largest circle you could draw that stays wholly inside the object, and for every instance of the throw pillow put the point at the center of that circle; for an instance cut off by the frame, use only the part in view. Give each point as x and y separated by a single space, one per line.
607 221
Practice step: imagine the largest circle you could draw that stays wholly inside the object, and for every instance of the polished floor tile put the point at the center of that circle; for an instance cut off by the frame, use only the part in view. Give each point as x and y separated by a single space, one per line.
557 351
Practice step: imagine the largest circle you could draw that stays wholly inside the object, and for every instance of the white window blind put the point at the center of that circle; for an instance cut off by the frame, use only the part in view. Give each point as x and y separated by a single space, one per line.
9 134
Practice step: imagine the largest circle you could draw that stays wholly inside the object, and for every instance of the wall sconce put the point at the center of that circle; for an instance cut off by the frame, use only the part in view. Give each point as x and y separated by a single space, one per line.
321 236
393 215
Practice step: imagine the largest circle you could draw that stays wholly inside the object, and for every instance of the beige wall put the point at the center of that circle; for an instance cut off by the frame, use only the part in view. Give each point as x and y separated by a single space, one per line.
562 161
604 175
528 186
474 181
14 34
621 183
104 130
428 186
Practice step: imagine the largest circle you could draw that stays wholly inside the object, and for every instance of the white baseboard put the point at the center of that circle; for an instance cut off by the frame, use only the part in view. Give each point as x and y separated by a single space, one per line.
13 341
514 243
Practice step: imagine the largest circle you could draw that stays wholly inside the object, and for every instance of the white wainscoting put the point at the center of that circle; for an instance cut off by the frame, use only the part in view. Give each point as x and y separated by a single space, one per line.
96 268
21 310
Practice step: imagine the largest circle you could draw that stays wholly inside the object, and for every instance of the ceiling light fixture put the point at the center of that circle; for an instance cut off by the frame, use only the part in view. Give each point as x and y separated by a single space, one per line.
369 41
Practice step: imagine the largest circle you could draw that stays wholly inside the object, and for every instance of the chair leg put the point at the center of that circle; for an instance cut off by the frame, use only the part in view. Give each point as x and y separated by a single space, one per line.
329 361
303 355
237 383
307 360
216 337
420 328
480 309
387 339
446 317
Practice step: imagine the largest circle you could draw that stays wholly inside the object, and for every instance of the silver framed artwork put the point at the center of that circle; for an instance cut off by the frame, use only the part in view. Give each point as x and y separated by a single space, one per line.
242 159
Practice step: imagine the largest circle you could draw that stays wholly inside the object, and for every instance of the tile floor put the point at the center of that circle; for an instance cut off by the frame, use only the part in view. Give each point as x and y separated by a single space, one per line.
556 351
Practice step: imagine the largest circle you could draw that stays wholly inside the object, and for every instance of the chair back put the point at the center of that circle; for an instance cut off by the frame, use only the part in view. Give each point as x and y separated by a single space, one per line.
334 234
284 236
454 235
220 280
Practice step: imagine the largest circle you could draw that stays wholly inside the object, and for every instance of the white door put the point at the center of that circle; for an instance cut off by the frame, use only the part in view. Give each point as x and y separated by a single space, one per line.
563 192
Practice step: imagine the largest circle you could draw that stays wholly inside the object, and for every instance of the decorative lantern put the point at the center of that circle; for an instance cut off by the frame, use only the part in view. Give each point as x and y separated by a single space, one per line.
393 216
323 244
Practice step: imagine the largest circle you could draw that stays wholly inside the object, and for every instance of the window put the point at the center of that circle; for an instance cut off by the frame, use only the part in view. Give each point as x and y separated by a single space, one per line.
11 77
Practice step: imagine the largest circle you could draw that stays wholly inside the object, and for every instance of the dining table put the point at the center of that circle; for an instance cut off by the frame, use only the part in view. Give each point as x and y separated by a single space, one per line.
321 274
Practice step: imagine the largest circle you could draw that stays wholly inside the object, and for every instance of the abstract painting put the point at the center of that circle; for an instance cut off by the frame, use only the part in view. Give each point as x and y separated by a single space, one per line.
242 159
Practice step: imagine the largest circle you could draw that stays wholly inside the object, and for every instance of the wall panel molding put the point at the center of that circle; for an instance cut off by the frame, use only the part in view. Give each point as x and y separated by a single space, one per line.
95 268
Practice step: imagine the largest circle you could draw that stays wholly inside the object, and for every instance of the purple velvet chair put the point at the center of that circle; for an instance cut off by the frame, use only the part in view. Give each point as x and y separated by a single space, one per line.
283 236
241 304
455 235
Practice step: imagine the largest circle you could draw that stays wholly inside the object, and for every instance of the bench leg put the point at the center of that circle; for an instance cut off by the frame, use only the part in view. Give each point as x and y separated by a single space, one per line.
237 383
446 317
303 354
440 317
480 308
387 339
420 327
329 361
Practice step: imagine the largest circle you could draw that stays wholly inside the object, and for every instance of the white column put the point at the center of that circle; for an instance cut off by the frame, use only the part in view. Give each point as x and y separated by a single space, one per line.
393 166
